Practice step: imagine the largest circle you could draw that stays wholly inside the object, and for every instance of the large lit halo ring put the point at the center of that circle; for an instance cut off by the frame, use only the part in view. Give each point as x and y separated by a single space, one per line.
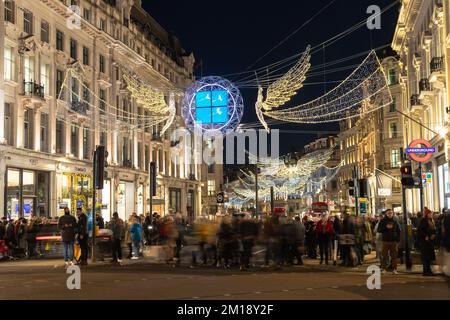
235 105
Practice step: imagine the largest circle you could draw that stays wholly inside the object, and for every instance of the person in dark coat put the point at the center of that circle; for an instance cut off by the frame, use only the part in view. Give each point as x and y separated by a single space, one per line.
390 231
347 233
298 249
310 238
82 235
446 231
227 238
117 226
288 240
248 232
100 222
324 233
427 237
67 224
31 233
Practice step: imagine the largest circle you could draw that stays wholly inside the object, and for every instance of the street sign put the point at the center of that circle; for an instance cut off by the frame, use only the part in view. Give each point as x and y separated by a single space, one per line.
421 154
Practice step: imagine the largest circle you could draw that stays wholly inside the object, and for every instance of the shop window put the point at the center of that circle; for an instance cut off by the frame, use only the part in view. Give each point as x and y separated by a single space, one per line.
13 193
395 158
75 90
147 157
103 138
175 200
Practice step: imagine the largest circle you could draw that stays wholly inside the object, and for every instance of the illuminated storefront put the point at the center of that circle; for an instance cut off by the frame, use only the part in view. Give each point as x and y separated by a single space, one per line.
27 193
74 191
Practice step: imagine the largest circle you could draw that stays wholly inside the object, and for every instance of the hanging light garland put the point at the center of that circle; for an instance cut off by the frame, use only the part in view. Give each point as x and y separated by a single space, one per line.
364 91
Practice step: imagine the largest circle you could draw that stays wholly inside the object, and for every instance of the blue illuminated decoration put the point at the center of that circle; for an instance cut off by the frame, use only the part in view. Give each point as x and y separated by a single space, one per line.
213 105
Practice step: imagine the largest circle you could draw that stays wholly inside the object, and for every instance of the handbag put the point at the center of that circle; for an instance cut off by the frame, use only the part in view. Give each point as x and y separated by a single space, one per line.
77 251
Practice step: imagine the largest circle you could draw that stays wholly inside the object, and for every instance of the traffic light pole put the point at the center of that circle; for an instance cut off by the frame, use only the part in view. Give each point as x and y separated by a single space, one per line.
94 203
356 179
150 189
408 261
422 203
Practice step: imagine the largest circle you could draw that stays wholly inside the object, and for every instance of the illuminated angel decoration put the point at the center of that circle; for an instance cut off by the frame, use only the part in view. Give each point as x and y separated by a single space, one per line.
282 90
366 86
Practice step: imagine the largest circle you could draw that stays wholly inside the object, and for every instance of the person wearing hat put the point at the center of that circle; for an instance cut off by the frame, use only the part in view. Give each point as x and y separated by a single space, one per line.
390 232
427 237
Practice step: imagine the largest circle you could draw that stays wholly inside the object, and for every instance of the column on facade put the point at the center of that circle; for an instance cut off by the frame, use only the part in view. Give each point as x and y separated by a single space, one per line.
184 199
80 142
19 115
135 149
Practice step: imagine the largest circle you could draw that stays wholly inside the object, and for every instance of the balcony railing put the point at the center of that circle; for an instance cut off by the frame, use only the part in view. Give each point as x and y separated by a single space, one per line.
437 64
80 107
415 101
424 85
33 89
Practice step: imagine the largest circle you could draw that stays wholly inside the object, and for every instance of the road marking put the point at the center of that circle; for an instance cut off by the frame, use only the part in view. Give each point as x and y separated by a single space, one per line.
227 295
334 287
257 292
285 291
195 298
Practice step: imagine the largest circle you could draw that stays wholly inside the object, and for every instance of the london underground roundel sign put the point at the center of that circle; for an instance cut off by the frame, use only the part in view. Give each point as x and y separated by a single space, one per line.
213 105
421 150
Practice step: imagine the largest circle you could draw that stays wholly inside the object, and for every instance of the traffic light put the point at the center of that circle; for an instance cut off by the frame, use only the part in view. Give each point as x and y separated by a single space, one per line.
363 188
100 164
407 175
351 188
153 178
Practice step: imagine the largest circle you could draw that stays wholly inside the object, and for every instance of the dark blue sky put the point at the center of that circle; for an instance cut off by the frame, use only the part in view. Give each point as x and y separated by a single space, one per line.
229 36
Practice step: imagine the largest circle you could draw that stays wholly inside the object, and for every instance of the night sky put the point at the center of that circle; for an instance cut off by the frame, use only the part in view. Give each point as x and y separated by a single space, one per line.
230 36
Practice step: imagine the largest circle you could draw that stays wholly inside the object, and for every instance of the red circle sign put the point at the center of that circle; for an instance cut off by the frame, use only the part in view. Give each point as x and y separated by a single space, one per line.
416 144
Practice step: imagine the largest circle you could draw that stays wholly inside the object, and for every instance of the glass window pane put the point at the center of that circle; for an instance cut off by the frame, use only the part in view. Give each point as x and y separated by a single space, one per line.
446 181
28 182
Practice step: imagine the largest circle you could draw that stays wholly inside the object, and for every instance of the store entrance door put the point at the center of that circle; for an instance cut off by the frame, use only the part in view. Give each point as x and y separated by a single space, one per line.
29 207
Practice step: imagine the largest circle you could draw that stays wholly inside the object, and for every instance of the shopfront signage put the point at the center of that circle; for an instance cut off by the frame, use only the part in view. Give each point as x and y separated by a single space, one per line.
421 150
63 205
384 192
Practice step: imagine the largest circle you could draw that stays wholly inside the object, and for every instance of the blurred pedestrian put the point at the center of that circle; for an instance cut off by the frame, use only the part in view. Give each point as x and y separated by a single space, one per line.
117 226
136 237
31 233
324 234
83 235
390 231
248 233
427 237
299 248
67 225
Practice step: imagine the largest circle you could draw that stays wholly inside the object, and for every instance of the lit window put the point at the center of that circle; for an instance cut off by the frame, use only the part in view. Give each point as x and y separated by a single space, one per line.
211 187
8 64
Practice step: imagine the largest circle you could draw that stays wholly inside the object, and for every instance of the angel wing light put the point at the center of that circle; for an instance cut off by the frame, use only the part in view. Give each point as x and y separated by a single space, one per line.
282 90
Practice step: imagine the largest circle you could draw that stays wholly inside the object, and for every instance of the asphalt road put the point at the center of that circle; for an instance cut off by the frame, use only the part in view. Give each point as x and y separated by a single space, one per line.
143 281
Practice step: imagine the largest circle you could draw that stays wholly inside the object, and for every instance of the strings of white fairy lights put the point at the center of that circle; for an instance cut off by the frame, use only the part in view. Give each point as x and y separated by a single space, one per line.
366 83
131 120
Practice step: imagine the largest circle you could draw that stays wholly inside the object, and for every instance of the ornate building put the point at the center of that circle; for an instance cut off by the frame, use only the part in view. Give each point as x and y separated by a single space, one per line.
422 40
51 122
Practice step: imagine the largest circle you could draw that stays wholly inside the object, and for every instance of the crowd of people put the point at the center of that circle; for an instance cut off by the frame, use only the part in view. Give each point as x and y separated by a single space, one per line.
230 241
345 238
